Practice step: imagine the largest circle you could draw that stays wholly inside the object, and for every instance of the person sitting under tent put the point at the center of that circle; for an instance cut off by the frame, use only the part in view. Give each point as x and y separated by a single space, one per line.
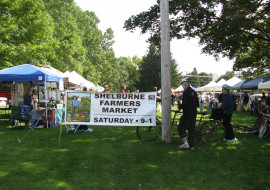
27 105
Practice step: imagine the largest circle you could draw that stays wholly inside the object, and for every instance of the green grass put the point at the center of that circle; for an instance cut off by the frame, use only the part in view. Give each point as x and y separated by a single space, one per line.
113 158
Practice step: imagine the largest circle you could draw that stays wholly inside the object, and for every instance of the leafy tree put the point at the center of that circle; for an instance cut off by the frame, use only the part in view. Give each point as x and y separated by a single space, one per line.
175 75
129 73
195 81
205 78
26 32
68 52
109 67
236 29
228 75
150 71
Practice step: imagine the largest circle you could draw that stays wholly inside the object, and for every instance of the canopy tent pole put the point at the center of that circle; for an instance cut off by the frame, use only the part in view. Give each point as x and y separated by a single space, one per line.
46 109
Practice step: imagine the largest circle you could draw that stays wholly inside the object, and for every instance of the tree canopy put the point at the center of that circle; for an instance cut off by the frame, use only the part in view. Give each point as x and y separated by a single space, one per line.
238 29
60 34
150 70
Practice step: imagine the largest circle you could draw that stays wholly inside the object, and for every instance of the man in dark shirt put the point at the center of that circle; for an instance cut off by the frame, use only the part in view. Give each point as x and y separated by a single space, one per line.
188 119
245 100
27 101
227 105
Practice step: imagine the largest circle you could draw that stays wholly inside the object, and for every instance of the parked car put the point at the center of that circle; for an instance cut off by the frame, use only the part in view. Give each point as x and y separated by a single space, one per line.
3 102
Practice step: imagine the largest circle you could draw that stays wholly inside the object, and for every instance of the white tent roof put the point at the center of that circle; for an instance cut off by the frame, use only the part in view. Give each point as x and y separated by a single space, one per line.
233 81
218 86
78 79
65 77
221 82
71 78
264 85
53 70
179 89
208 87
99 88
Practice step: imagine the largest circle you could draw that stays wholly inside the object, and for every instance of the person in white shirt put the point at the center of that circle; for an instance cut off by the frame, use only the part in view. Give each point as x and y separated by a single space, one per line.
201 101
251 100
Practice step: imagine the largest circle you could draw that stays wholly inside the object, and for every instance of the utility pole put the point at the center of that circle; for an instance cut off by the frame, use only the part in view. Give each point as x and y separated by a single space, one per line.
165 71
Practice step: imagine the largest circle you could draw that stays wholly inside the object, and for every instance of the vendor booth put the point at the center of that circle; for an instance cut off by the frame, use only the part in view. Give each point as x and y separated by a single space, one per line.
264 85
209 87
25 76
74 77
69 81
253 84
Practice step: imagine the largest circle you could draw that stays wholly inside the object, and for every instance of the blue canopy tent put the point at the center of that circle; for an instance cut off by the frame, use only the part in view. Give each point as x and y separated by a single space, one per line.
239 85
253 84
28 72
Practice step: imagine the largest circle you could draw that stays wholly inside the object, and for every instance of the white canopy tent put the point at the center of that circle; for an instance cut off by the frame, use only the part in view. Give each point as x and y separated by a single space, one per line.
218 86
213 86
71 79
99 88
66 78
179 89
233 81
78 79
264 85
208 87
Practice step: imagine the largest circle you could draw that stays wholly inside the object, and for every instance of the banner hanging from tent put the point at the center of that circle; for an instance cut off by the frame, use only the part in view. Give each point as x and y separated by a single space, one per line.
126 109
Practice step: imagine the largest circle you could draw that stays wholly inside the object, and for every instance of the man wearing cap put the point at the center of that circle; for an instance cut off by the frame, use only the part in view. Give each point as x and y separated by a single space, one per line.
188 119
227 105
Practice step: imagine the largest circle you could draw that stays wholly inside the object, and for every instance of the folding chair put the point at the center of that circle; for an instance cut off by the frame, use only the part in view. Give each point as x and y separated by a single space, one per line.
72 128
20 113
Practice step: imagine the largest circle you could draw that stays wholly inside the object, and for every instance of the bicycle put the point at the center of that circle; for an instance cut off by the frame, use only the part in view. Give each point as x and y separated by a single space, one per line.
149 133
206 131
260 118
264 128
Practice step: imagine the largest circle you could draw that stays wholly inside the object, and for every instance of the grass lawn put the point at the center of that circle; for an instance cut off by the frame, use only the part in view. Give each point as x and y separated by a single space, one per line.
114 158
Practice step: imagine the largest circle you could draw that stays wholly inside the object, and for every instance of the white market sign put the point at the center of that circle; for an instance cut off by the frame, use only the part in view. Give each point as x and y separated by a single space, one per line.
126 109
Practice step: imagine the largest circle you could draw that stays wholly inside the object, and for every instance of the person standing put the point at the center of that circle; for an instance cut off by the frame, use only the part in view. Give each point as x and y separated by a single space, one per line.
201 102
211 100
263 98
251 100
256 106
227 105
172 99
106 88
27 101
188 119
267 102
123 89
245 100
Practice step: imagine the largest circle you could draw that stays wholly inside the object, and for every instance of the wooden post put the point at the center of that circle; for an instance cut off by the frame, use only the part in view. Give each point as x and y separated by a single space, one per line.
165 71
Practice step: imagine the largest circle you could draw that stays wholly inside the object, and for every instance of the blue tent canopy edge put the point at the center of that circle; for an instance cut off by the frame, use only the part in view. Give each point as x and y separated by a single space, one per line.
253 84
27 72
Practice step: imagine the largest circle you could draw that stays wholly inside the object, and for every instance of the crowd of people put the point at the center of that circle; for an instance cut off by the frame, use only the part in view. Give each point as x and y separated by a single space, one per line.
246 102
189 104
188 101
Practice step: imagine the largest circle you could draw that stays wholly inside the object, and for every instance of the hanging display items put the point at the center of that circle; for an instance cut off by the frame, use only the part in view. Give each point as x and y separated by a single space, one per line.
45 95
